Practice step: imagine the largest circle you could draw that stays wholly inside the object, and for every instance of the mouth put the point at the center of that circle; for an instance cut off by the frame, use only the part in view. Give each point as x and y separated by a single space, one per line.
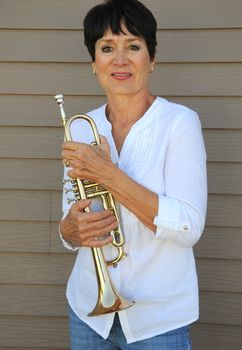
121 75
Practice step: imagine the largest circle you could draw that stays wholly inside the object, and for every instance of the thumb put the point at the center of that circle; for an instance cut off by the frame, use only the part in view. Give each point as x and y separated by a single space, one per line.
103 140
105 146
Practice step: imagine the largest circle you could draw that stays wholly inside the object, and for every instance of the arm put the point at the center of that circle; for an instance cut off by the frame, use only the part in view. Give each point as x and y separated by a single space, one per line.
95 164
179 213
182 209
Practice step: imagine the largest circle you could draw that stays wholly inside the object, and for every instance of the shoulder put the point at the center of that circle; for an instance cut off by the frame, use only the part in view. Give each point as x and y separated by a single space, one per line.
175 114
176 110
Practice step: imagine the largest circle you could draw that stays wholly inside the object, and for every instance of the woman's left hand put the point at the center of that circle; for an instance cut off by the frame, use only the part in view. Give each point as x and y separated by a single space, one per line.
87 162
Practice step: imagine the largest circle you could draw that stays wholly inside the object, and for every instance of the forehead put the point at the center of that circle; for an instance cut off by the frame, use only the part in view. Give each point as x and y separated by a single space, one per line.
124 35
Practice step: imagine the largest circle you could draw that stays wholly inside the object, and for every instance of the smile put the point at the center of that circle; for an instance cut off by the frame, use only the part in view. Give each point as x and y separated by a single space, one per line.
121 76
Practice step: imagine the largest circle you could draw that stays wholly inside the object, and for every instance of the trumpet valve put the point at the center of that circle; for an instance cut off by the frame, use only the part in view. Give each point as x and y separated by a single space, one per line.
66 181
71 200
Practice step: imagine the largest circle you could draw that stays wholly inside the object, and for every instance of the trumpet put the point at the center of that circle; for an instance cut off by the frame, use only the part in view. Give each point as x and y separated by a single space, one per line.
109 299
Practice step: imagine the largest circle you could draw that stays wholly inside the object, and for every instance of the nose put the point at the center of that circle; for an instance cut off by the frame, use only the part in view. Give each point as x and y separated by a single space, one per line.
120 58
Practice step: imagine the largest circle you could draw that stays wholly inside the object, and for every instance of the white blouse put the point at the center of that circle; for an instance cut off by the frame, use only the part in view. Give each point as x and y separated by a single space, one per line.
164 151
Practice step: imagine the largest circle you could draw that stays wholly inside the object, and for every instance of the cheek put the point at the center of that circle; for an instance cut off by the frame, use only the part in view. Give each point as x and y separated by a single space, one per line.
144 71
144 63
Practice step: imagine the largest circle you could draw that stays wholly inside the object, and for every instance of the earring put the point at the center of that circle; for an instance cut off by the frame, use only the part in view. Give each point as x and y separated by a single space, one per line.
94 71
152 69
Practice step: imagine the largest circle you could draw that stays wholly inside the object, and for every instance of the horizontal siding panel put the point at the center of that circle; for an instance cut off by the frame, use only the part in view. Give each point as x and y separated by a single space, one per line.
195 79
43 46
25 205
25 110
43 142
225 178
17 236
54 269
56 206
31 142
30 205
216 242
220 243
43 14
219 275
173 46
27 332
34 205
221 308
215 112
224 210
21 300
46 174
30 237
56 243
169 14
211 337
223 145
199 46
25 236
194 14
35 269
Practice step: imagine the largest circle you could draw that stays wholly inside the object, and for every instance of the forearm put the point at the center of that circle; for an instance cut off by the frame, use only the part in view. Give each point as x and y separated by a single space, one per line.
88 162
139 200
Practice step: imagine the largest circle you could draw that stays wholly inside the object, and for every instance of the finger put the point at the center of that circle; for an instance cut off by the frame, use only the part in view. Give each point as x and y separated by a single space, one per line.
71 145
95 243
100 216
81 205
103 140
106 230
96 227
67 154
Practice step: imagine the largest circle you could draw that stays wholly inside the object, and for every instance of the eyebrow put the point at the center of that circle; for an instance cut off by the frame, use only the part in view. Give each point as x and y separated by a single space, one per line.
111 40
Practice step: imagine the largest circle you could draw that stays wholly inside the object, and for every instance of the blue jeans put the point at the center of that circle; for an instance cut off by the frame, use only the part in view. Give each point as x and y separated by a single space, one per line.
83 337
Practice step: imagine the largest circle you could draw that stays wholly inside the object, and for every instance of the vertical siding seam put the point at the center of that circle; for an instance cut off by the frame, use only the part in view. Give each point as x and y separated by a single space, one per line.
51 206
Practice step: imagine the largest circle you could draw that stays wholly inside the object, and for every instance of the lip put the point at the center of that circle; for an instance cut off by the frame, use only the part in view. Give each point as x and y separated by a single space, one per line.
121 75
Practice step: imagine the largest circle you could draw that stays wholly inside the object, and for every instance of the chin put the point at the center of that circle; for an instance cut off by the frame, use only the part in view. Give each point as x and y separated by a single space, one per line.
120 91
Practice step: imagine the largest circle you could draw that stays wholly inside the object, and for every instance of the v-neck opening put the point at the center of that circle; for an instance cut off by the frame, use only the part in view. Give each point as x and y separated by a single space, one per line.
136 125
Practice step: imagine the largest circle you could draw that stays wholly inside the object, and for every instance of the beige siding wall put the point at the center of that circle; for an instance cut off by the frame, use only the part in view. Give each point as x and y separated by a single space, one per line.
41 54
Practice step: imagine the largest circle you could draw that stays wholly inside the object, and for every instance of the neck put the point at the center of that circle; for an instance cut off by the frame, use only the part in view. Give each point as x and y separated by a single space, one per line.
124 110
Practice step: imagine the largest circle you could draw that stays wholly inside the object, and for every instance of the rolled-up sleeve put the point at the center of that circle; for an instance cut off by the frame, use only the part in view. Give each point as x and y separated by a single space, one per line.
182 208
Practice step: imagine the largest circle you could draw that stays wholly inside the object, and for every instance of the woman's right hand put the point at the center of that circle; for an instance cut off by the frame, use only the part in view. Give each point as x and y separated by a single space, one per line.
83 229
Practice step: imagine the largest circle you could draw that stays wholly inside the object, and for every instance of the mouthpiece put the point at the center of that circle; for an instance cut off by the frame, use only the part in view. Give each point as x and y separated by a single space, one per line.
59 99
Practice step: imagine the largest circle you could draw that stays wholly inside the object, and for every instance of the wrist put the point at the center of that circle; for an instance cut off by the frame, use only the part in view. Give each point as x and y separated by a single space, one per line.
109 175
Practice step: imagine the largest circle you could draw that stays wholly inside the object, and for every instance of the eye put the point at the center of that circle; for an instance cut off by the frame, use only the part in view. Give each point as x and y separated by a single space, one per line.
134 47
106 49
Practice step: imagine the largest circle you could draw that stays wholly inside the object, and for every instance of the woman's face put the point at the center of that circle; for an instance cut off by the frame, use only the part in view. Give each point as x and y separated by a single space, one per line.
122 63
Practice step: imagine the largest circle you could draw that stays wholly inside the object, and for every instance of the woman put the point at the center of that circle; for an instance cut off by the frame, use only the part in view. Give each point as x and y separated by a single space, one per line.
152 160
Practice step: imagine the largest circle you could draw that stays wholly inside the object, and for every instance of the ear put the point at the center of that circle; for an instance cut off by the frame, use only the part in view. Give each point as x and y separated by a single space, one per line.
94 68
152 64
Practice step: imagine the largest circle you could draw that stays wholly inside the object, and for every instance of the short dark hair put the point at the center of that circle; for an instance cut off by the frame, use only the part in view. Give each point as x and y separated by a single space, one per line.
112 14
